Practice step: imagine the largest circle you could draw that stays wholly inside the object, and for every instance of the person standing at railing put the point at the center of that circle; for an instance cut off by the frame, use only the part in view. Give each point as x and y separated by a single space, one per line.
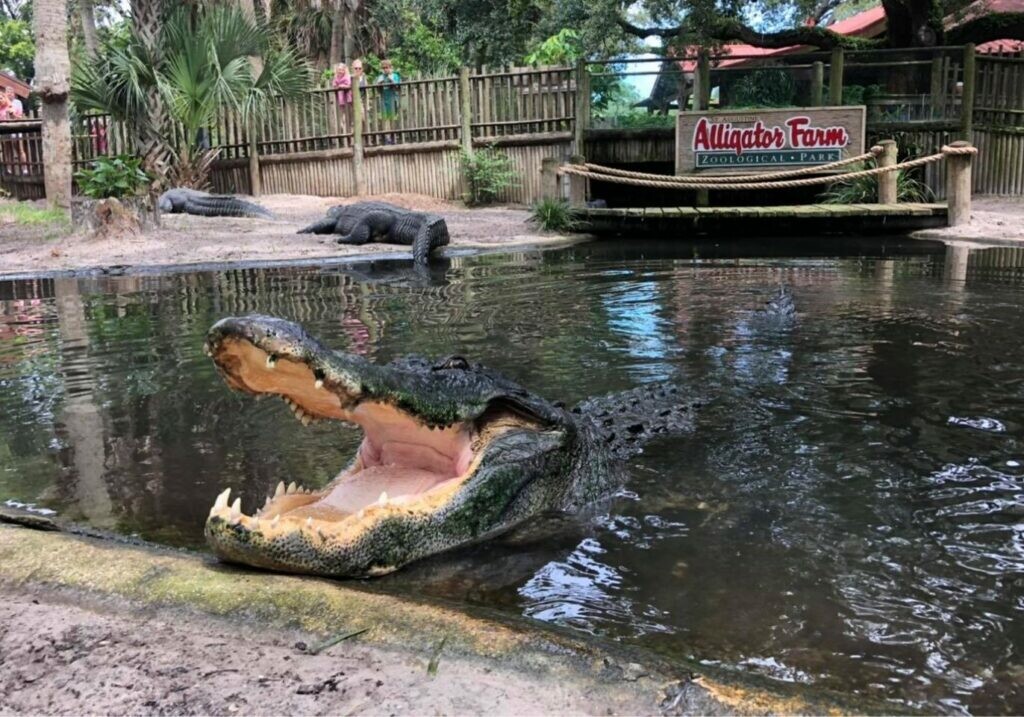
12 109
342 83
389 96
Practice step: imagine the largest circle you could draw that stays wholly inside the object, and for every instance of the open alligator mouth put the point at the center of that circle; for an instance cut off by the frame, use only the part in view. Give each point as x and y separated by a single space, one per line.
426 428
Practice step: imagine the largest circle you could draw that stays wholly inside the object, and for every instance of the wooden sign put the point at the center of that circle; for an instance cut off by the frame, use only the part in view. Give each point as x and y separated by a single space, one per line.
751 141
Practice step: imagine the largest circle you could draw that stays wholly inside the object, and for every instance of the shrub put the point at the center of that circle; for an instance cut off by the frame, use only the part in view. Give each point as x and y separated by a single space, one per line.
553 215
763 88
119 177
864 190
487 172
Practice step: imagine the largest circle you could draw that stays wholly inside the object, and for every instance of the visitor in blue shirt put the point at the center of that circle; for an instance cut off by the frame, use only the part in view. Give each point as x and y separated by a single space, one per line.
389 93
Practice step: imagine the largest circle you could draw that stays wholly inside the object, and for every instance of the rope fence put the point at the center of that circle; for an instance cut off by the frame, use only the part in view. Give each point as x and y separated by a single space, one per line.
609 174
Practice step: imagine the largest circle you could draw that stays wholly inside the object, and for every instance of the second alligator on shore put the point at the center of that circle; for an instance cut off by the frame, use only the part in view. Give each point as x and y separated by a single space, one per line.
204 204
364 222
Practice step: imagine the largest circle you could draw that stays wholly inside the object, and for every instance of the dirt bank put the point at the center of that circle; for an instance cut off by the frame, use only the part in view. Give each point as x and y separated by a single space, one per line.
186 239
993 220
58 658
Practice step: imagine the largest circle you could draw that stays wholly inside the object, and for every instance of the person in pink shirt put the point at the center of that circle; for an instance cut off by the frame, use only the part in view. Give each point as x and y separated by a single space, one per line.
342 83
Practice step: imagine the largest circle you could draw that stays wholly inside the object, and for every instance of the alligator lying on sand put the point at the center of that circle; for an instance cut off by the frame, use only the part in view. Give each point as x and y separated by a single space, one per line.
203 204
363 222
452 452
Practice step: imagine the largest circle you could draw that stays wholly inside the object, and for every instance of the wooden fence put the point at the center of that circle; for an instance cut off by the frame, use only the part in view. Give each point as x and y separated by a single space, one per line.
411 134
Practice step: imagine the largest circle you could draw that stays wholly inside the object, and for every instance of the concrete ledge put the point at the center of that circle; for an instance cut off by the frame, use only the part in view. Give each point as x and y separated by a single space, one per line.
139 579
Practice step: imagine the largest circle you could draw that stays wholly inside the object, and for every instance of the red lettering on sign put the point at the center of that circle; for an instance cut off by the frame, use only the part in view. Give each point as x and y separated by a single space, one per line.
802 135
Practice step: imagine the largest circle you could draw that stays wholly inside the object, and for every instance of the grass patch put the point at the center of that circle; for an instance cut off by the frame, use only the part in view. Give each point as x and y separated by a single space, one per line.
31 215
553 215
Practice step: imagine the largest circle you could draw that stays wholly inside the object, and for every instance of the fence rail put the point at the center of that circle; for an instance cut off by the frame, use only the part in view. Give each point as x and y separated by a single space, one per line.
921 95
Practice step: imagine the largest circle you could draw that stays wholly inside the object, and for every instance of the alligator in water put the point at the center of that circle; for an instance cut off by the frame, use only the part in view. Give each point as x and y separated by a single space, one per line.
203 204
363 222
452 453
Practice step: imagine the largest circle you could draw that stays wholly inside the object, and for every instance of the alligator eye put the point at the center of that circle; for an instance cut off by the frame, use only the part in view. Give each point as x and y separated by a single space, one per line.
452 362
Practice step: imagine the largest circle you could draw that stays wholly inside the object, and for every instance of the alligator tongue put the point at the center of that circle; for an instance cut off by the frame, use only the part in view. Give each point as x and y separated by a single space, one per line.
365 487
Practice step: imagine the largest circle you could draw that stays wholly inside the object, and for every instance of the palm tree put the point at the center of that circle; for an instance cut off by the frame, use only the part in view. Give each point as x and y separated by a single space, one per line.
53 70
200 64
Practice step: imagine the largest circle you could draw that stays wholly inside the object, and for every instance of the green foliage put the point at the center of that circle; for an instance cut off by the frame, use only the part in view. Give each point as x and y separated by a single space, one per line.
424 49
859 94
768 87
864 190
553 215
26 214
203 65
118 177
17 48
487 172
562 48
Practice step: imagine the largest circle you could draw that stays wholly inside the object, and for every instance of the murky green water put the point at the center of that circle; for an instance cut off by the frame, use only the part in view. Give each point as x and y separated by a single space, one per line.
849 513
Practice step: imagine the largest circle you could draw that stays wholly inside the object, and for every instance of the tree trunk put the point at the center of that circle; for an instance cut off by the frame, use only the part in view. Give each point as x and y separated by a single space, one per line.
52 83
338 25
152 138
88 19
913 23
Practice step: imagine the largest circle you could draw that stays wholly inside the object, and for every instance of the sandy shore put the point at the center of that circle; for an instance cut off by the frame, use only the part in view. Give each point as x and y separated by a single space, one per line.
187 239
59 658
993 220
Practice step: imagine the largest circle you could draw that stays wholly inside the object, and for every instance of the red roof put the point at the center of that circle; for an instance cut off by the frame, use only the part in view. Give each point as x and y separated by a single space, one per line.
869 23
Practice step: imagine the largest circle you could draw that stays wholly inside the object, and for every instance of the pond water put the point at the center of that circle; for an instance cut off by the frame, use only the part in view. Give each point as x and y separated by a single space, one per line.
848 514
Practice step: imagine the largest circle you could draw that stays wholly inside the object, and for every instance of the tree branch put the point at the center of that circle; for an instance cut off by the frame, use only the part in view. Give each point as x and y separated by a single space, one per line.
731 29
993 26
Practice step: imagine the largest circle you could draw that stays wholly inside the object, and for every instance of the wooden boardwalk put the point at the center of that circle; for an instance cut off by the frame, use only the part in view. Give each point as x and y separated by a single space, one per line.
745 221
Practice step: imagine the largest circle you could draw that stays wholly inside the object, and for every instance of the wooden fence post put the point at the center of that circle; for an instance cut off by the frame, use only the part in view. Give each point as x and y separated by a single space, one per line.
967 97
887 180
582 107
958 186
937 91
702 82
357 139
549 188
817 83
835 77
577 184
465 111
255 184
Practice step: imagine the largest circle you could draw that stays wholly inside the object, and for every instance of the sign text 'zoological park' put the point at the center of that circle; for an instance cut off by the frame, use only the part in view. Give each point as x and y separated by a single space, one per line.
763 139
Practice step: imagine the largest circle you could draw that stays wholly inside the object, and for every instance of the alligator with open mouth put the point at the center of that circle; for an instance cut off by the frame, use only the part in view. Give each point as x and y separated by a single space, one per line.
364 222
452 453
204 204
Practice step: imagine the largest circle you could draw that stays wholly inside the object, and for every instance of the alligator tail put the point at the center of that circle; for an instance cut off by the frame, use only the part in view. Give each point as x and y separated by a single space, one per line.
224 207
322 226
628 420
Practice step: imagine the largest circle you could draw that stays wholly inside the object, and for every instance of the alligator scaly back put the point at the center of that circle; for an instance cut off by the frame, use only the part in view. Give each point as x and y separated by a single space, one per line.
203 204
627 420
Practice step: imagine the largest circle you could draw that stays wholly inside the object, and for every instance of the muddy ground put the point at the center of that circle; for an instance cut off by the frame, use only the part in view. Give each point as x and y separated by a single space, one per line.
61 658
185 239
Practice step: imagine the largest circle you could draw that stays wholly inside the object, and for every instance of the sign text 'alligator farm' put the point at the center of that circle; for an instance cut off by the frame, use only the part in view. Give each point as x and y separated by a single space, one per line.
762 140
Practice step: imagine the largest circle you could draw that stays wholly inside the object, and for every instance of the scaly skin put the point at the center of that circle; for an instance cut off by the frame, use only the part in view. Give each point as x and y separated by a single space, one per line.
363 222
536 457
203 204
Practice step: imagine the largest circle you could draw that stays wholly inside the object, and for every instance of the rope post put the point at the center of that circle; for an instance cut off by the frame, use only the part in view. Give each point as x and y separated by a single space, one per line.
465 111
835 77
887 180
817 83
958 185
357 140
967 100
549 178
577 184
582 107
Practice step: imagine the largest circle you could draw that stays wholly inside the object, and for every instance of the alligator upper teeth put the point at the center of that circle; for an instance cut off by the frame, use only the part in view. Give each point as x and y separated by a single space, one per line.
291 487
383 499
280 489
319 383
271 362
